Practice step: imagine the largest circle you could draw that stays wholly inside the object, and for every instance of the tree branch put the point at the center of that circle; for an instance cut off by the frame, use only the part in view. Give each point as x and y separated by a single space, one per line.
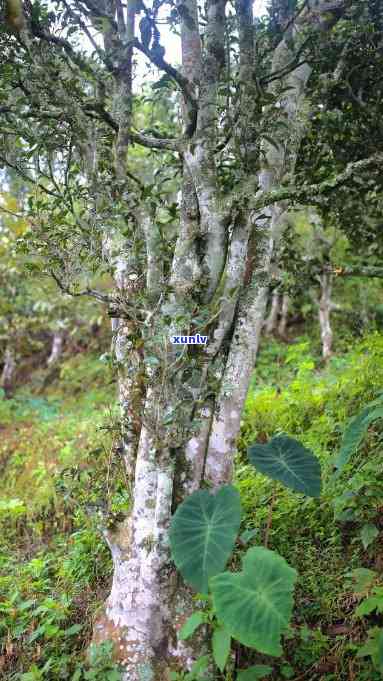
26 177
170 143
101 297
314 193
358 271
183 82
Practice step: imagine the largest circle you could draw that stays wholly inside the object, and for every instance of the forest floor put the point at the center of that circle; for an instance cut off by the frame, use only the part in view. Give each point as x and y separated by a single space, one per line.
60 474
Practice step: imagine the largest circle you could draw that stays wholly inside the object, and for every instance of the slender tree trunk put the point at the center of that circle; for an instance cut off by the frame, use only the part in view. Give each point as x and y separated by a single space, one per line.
324 313
284 315
56 348
9 367
271 321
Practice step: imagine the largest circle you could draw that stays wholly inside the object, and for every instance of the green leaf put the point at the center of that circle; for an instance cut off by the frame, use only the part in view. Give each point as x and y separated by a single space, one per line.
221 646
368 533
198 668
74 629
248 535
355 432
191 624
202 534
362 578
374 648
113 675
255 605
25 605
368 606
286 460
40 631
259 671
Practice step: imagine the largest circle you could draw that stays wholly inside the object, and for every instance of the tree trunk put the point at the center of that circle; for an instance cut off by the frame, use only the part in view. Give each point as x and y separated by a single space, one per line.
324 313
148 602
183 428
284 315
7 375
56 348
271 321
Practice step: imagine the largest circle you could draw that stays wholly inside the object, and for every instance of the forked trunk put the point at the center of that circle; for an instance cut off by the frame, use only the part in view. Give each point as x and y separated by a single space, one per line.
227 256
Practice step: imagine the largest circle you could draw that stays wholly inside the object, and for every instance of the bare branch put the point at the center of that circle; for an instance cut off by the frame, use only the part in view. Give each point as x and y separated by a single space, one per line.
101 297
172 144
10 212
26 177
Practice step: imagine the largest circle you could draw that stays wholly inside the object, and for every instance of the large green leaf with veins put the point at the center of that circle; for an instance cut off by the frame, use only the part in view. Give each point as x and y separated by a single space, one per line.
286 460
202 534
255 605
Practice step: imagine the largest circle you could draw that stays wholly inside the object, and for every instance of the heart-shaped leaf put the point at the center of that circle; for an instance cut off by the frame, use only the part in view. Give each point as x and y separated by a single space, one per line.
255 605
202 534
286 460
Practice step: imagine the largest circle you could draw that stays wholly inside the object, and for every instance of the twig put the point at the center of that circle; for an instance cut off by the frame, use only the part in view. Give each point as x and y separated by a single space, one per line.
101 297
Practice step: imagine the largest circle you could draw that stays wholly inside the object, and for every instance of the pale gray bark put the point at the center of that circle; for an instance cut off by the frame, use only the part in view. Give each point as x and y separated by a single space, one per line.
324 312
272 319
56 348
323 244
278 160
8 371
284 315
140 600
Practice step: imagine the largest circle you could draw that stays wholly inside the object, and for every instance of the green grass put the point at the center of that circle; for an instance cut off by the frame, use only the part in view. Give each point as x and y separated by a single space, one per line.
313 406
56 453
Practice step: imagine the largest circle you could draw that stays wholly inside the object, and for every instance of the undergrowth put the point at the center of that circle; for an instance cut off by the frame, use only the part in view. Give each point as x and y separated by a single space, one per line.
322 539
62 482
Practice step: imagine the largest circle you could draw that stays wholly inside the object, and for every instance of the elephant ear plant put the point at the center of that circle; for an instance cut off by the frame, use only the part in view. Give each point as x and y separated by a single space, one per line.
253 606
